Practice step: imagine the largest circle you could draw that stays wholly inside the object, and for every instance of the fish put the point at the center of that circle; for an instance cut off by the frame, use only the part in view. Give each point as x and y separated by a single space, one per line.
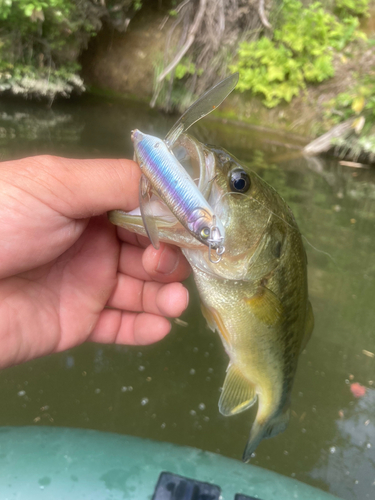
256 296
164 176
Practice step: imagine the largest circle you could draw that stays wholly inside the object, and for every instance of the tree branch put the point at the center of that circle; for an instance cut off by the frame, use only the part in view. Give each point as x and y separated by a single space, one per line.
263 16
189 41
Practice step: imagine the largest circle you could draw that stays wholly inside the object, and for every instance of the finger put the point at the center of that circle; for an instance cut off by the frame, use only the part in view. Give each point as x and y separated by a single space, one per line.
132 238
78 188
130 262
119 327
167 264
136 295
164 265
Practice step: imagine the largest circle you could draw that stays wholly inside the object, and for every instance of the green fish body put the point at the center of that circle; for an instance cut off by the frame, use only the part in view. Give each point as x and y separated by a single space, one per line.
256 296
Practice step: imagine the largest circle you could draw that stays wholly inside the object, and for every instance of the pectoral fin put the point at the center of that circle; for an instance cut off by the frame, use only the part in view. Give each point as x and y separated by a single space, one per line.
238 393
215 322
148 218
265 306
208 316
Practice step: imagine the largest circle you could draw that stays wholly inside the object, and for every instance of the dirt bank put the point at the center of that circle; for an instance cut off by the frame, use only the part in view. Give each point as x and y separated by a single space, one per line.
124 64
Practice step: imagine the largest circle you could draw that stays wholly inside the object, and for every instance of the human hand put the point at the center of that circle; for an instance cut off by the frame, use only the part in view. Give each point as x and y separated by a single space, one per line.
67 275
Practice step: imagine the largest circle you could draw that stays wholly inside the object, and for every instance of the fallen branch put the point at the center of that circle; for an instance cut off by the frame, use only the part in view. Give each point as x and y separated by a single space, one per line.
324 143
263 16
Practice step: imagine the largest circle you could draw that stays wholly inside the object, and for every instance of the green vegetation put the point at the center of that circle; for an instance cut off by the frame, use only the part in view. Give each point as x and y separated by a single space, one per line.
301 51
360 102
361 99
41 40
352 7
183 68
39 46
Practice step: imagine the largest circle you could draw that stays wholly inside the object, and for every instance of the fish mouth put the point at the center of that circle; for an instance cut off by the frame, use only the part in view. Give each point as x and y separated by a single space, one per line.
197 160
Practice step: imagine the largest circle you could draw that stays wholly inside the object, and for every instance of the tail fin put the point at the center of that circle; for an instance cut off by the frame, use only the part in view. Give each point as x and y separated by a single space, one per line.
268 429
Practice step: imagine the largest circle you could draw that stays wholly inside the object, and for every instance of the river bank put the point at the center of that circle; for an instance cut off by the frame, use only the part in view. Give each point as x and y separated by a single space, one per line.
122 65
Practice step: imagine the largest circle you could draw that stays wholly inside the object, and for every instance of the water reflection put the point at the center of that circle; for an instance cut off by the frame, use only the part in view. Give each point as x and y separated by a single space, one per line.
170 391
352 451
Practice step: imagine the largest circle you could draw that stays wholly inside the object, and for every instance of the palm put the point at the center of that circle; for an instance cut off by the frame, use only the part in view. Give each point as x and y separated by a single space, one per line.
59 303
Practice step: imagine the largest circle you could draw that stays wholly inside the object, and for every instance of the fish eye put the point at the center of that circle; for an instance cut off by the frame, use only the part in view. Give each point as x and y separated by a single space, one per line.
205 233
239 181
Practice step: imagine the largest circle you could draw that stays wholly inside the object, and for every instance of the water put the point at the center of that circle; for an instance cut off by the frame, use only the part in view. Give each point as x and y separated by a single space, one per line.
169 391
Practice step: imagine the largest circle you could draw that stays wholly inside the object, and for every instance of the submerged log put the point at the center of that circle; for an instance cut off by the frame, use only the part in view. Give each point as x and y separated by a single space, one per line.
347 141
324 143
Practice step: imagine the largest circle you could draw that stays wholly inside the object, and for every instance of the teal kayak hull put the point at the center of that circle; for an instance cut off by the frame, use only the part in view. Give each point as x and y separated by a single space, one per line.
71 464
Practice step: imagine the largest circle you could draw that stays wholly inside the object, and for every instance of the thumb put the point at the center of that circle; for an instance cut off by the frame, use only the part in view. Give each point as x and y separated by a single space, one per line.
77 188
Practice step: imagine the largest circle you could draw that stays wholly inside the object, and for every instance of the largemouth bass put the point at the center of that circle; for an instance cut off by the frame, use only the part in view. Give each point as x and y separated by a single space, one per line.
256 295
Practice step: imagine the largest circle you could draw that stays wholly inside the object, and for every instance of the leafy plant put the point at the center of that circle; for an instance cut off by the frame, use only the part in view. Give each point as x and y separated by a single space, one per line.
352 7
40 41
183 68
360 100
300 52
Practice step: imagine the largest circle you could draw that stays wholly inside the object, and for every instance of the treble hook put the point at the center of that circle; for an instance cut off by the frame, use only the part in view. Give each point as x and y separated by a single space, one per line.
219 252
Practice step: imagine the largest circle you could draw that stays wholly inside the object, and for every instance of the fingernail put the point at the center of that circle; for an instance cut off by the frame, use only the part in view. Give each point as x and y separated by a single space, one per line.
168 261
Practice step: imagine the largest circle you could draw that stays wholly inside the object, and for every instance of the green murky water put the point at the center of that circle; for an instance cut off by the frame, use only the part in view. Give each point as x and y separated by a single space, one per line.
169 391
